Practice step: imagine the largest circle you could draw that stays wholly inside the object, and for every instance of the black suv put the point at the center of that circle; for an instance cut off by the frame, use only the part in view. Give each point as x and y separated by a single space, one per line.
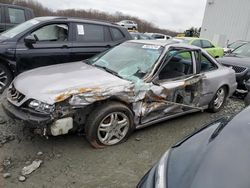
11 15
45 41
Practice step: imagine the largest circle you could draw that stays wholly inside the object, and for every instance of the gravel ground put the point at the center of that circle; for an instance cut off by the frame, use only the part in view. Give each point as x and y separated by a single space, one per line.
69 161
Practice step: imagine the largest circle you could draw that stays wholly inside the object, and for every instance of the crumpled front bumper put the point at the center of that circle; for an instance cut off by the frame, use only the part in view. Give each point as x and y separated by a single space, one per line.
31 118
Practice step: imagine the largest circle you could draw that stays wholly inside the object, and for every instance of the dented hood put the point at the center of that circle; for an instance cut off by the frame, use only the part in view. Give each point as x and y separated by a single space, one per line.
48 84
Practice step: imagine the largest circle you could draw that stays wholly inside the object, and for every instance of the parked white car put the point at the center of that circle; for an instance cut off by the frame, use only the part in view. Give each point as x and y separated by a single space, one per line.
159 36
129 24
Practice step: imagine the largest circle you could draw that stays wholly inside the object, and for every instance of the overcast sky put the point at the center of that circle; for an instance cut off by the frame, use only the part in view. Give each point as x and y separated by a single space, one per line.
168 14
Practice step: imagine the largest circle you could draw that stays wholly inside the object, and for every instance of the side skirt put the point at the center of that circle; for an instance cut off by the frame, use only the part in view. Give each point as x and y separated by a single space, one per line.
140 126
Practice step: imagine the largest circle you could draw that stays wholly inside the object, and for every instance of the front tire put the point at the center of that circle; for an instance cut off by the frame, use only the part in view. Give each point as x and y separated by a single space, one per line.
109 124
219 100
5 77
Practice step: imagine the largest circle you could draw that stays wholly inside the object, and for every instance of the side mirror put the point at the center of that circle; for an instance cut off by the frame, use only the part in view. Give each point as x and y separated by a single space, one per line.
29 41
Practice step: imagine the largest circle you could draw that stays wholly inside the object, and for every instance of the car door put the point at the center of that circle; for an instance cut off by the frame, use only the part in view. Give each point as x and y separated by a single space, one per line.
89 40
211 77
2 19
130 24
177 87
209 47
53 46
196 42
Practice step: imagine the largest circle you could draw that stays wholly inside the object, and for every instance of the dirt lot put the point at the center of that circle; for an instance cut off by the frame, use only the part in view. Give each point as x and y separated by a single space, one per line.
69 161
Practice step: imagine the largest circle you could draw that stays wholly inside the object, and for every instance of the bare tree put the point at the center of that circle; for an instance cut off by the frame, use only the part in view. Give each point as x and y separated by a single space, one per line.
40 10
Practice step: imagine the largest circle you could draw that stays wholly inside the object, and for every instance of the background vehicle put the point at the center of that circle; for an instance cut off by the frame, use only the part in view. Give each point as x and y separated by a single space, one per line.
11 15
239 60
215 156
140 36
129 24
247 97
133 85
52 40
158 36
211 48
231 47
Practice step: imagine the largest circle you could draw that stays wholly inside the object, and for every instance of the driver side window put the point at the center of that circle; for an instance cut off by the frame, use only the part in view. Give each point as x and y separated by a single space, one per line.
53 32
179 65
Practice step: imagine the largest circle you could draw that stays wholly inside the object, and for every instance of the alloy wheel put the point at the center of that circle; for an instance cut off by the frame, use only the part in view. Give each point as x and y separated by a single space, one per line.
3 79
113 128
220 97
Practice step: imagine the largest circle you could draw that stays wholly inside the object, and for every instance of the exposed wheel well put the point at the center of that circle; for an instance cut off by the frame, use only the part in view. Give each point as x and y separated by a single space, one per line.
86 112
227 89
6 64
113 99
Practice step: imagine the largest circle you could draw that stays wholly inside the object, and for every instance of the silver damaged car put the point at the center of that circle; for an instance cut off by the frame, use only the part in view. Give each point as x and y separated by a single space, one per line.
133 85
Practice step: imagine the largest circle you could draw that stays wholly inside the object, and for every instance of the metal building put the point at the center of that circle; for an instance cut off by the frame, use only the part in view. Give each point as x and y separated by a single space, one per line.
226 21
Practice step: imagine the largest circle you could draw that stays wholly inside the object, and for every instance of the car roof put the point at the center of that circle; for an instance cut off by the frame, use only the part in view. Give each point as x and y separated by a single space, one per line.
191 38
157 34
165 43
126 20
72 19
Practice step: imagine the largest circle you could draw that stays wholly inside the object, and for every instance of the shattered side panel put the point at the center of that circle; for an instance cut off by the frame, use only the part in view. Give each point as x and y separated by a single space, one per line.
171 97
148 101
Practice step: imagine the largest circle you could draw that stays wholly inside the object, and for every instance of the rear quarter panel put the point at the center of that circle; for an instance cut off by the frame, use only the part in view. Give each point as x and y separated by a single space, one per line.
219 52
213 80
211 51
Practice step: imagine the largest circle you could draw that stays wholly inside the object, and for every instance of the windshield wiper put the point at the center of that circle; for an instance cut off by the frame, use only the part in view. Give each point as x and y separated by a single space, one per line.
108 70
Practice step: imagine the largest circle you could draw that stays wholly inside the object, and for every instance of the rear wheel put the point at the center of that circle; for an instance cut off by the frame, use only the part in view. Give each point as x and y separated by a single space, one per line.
247 99
5 77
219 100
109 125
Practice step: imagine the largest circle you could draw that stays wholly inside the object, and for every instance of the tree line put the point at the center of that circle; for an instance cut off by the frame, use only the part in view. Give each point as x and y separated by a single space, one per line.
40 10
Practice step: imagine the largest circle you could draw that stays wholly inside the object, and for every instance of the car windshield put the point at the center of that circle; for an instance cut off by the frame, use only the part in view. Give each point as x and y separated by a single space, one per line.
18 29
236 45
243 50
129 60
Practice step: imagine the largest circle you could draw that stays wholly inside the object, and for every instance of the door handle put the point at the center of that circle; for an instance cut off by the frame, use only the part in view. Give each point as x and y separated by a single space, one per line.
65 46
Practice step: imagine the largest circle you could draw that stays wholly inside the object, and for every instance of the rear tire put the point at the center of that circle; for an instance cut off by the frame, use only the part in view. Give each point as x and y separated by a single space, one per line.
218 101
109 124
247 99
5 77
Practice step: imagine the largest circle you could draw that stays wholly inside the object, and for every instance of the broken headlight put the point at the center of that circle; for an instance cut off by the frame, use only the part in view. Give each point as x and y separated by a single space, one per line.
41 106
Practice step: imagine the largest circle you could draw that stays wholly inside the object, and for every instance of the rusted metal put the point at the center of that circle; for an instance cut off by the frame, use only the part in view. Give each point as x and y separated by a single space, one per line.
65 95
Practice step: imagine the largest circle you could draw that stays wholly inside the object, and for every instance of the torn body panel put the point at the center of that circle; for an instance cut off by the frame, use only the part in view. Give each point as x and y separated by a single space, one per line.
171 97
148 101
